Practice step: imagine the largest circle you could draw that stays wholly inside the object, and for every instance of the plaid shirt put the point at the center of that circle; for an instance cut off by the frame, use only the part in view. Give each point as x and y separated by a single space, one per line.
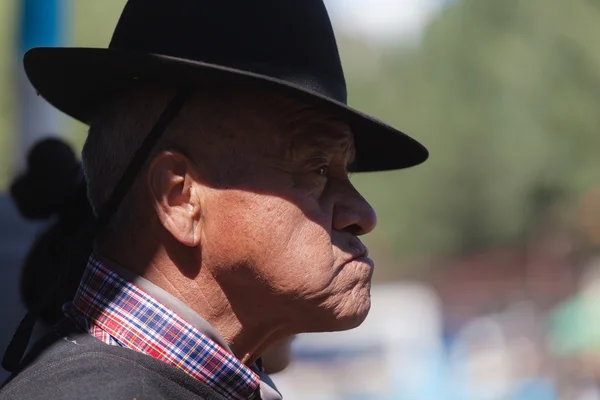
121 314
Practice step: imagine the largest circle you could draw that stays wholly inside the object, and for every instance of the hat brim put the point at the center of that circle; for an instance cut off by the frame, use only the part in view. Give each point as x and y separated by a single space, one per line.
74 80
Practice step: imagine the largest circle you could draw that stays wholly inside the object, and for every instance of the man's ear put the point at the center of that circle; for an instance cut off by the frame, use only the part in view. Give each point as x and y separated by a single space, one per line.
172 188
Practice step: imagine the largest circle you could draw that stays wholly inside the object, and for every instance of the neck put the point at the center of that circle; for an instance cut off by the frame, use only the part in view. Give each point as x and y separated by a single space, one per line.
247 340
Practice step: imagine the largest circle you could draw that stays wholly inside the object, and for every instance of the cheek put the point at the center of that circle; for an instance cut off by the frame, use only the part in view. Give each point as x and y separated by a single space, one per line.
303 262
271 237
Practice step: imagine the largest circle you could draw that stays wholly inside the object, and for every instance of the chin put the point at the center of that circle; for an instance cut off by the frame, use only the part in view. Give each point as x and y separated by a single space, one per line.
348 314
354 307
344 310
354 317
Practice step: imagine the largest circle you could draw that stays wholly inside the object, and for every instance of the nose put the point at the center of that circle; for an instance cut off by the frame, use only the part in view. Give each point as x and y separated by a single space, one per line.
353 213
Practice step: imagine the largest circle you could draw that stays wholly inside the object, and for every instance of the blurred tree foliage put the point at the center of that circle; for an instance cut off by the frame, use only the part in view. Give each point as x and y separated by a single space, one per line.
7 71
503 92
506 94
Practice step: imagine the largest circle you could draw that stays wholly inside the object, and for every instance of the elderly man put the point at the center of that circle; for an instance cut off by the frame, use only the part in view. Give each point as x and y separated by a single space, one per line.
217 164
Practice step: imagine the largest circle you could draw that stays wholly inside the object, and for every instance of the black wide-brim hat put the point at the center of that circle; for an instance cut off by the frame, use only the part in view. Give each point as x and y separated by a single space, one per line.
283 45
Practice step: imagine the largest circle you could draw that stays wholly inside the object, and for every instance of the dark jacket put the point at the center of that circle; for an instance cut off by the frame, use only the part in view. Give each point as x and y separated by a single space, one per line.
73 365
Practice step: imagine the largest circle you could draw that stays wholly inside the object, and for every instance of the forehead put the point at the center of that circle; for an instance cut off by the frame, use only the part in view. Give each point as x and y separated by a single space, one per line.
310 129
325 137
272 122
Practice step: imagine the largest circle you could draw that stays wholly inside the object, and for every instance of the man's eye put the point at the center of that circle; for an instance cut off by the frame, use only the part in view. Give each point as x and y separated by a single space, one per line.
323 171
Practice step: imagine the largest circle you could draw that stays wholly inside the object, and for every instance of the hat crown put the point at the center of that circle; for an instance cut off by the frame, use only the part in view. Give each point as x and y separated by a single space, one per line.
292 40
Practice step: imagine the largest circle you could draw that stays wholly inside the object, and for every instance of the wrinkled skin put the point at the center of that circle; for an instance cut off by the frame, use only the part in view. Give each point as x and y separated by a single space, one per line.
257 229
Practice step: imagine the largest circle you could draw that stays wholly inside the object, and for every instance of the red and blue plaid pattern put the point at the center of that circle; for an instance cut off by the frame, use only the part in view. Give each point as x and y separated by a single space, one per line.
119 313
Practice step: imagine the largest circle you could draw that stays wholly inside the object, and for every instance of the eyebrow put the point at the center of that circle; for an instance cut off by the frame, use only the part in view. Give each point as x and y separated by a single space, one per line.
325 145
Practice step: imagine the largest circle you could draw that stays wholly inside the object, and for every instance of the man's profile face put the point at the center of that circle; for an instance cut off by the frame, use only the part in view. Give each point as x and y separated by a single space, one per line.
285 230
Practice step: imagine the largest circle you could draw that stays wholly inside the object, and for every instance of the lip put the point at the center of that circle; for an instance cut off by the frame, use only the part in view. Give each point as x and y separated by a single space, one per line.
358 250
362 263
363 259
359 259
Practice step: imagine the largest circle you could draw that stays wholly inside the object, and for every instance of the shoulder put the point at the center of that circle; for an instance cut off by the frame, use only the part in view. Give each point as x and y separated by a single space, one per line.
86 376
83 367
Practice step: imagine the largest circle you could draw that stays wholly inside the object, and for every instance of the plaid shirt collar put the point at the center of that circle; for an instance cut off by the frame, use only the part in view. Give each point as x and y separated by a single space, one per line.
120 313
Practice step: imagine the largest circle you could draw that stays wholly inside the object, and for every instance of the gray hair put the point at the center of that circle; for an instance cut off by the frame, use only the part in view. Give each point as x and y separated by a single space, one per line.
116 132
121 124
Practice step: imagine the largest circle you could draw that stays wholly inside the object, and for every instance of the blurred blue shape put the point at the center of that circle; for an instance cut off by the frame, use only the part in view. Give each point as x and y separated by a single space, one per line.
535 389
42 23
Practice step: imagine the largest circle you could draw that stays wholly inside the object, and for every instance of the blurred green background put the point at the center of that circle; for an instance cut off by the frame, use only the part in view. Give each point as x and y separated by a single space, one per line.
504 93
